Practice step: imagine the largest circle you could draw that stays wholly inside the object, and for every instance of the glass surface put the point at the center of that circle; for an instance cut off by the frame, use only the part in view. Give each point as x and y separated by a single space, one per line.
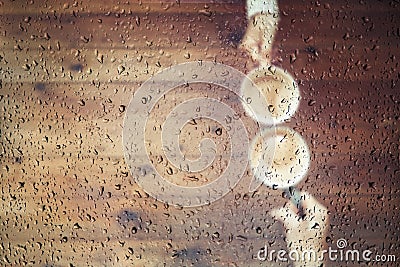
76 184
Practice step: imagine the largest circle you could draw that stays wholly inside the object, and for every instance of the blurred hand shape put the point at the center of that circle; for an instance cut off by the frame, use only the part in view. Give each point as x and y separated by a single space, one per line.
307 232
259 36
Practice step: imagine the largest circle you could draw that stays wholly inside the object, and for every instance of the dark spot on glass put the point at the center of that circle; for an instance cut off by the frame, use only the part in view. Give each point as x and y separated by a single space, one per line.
76 67
235 37
127 216
40 86
311 50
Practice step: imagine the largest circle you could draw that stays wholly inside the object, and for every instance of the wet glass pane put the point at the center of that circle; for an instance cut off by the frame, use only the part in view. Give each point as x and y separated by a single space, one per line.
199 133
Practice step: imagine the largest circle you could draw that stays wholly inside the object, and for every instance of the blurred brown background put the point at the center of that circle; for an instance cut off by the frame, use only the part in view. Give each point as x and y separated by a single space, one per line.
68 71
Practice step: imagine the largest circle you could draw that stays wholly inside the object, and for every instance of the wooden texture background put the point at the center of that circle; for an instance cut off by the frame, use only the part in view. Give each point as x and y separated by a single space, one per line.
68 71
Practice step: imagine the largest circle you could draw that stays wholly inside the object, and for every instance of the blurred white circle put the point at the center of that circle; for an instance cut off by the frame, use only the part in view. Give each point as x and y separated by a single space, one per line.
277 87
279 157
